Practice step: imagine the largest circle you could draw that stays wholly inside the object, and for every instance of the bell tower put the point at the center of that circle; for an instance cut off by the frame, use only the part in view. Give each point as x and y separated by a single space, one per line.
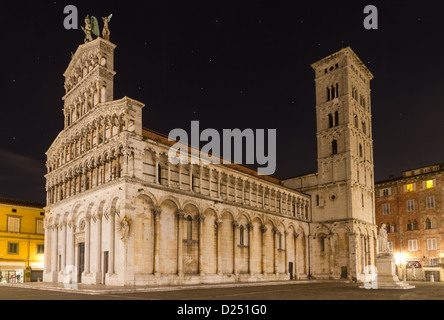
344 138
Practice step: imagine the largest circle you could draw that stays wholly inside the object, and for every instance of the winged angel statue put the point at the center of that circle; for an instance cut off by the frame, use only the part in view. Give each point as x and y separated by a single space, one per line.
92 28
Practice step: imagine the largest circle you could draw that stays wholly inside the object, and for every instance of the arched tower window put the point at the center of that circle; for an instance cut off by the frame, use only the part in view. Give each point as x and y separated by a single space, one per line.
159 174
189 228
334 147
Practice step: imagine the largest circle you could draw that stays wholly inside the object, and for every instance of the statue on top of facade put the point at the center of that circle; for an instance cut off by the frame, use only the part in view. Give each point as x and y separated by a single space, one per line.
106 33
91 27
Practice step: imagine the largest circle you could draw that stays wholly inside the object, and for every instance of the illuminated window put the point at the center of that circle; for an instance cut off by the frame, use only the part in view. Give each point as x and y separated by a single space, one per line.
429 184
409 187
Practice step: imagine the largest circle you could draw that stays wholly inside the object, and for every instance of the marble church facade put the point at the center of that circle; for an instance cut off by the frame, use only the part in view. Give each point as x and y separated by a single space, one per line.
119 213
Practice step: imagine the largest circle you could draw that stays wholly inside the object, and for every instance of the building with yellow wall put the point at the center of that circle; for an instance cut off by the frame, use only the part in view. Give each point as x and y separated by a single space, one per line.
21 241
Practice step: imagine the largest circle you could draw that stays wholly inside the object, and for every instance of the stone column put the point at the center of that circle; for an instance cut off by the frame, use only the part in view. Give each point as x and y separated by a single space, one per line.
218 225
48 247
276 235
235 242
63 262
112 231
201 219
331 253
263 231
54 249
286 251
157 212
250 248
87 244
99 248
180 216
296 268
353 258
219 174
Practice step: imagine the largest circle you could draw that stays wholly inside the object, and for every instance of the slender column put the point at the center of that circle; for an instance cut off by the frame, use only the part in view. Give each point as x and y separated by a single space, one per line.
169 174
331 253
54 249
201 244
218 225
156 169
112 221
353 255
191 177
180 216
276 249
87 244
296 268
263 230
306 255
219 174
286 251
63 264
235 242
71 254
99 248
157 212
48 248
200 179
250 248
180 175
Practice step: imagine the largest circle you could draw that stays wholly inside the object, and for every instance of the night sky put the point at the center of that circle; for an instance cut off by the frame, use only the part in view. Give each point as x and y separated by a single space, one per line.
229 64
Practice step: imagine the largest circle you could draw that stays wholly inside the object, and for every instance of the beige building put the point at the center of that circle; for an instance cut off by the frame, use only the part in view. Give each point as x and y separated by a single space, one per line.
119 213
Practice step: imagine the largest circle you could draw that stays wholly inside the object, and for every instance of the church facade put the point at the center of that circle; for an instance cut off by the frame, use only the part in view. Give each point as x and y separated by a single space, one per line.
119 213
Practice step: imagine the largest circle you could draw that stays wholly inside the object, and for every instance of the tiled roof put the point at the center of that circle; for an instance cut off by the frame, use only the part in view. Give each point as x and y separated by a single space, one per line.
21 203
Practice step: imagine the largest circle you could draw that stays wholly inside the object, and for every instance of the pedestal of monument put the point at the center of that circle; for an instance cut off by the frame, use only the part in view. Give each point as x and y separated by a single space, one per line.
386 277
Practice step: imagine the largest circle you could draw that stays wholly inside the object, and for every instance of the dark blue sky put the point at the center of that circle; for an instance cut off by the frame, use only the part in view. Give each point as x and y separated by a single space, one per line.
228 64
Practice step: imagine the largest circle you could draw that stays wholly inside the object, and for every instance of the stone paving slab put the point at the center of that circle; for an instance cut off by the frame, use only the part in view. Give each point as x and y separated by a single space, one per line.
103 289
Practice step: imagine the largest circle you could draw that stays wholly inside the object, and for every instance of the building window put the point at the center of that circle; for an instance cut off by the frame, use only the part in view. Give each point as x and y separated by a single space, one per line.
430 202
40 249
13 248
360 150
412 245
334 147
415 225
39 226
189 228
409 187
322 244
409 226
159 174
410 205
430 184
336 118
386 209
432 244
394 227
428 224
386 192
13 224
241 235
330 121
